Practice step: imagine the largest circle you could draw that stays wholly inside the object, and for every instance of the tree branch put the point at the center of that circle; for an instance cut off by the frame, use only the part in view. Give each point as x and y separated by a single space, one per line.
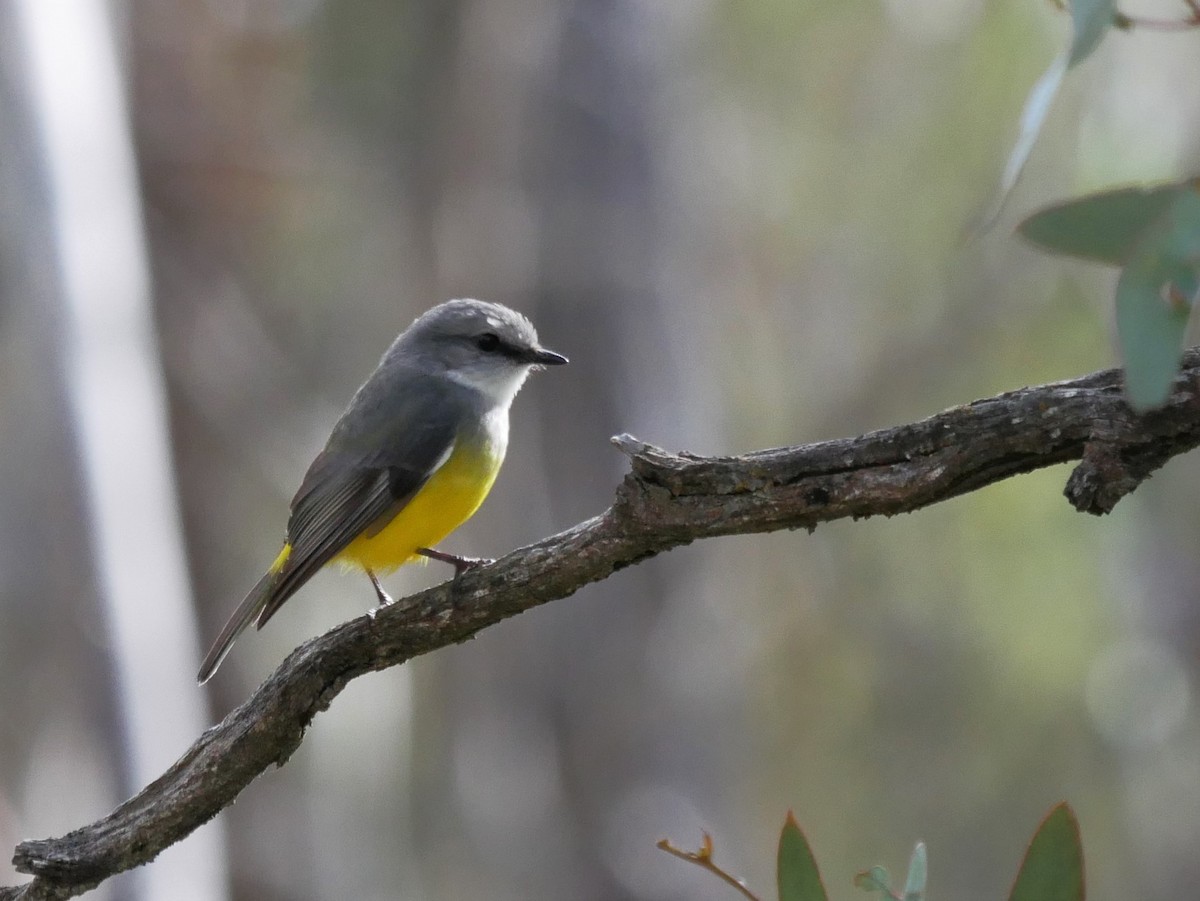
667 500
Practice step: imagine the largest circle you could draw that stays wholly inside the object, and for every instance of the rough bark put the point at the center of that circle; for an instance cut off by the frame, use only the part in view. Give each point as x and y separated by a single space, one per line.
665 501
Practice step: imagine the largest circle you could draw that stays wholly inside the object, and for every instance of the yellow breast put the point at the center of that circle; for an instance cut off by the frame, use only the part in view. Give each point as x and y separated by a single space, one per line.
446 501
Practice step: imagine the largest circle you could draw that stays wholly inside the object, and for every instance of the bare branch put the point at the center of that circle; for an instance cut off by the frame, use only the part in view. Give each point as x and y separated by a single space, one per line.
667 500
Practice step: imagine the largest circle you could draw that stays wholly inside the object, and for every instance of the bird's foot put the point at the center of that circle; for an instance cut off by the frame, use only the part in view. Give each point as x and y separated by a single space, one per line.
460 564
385 599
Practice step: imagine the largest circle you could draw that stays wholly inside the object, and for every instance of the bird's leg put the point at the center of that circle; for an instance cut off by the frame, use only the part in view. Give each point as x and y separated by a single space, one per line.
460 564
385 599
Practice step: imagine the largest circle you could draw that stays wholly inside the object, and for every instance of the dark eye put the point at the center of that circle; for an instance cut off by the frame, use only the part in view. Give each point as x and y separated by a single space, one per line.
488 342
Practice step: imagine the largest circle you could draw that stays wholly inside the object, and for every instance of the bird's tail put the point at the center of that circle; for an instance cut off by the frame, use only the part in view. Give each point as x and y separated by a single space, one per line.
250 608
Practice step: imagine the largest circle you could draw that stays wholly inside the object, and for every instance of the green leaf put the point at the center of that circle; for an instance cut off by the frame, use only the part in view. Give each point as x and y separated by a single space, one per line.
796 870
875 879
918 869
1155 233
1105 227
1053 866
1090 20
1155 296
1037 107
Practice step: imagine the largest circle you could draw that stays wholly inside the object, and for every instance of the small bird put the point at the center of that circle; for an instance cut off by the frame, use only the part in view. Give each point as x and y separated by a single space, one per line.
409 461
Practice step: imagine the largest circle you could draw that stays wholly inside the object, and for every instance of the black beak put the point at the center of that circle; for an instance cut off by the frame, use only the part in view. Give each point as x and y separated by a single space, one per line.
542 357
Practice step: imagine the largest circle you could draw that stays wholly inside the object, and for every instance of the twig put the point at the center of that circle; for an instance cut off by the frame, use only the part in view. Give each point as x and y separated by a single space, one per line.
704 859
1125 23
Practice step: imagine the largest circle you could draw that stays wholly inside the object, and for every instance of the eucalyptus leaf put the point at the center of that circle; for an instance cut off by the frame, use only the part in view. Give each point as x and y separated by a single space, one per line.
918 869
1155 296
1053 866
875 879
1090 20
1105 227
796 871
1037 107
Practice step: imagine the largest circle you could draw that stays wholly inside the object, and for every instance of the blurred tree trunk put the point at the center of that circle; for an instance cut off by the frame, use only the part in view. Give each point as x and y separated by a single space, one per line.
61 740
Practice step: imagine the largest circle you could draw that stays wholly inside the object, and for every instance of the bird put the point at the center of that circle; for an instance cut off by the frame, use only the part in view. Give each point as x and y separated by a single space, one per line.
410 459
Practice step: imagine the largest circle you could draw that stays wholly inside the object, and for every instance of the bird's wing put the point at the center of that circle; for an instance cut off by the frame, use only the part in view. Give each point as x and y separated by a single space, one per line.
359 483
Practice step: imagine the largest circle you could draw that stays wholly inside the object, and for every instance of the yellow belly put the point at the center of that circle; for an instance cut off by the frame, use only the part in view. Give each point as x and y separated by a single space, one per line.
447 501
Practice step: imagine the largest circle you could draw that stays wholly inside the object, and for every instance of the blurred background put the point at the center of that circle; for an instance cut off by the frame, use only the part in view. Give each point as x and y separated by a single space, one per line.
745 224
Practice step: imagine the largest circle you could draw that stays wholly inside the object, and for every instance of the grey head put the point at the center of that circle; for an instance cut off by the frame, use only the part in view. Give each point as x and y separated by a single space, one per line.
484 346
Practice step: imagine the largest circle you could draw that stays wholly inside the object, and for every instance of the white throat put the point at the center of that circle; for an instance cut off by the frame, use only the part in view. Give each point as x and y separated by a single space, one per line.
499 386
